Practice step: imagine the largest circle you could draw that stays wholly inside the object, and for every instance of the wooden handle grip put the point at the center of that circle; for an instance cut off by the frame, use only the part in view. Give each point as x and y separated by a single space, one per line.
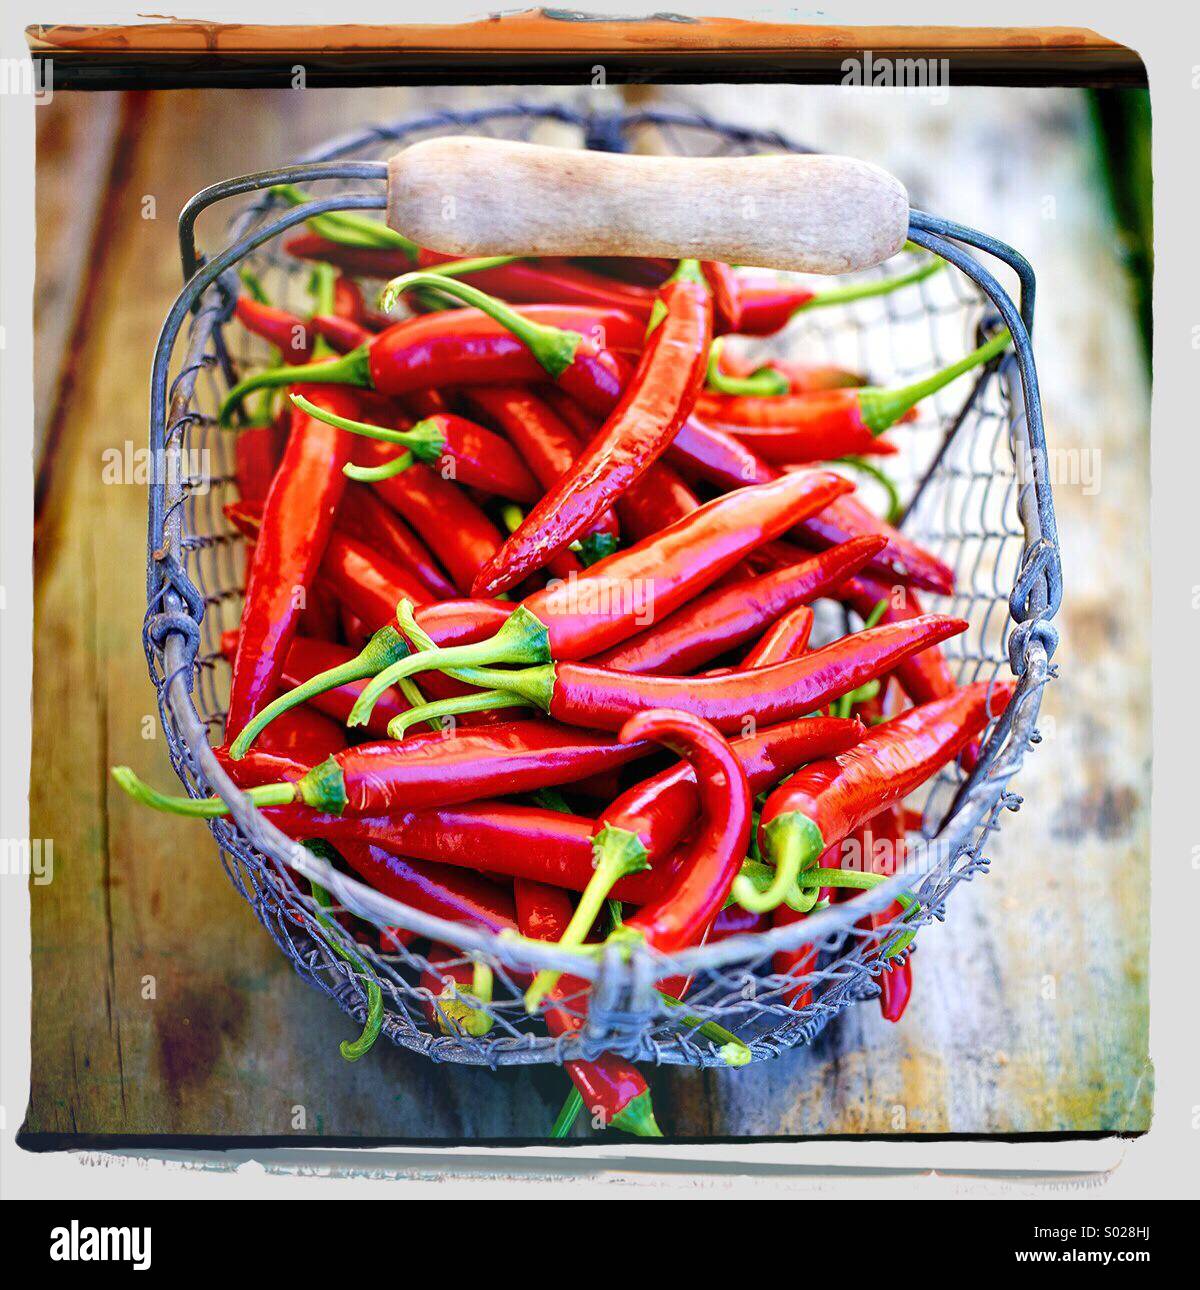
465 196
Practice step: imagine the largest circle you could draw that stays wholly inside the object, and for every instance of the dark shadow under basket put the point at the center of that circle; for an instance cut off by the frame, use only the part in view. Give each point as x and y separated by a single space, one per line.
977 493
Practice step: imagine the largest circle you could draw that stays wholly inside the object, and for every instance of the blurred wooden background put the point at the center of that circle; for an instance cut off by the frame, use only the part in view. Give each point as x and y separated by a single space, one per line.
1030 1013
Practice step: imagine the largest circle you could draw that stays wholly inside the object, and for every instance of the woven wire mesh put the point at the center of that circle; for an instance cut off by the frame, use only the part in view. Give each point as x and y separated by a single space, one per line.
958 473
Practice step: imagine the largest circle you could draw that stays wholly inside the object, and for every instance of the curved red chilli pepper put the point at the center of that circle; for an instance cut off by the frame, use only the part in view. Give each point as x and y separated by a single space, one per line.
467 347
659 396
730 615
364 516
660 810
290 335
308 656
297 522
827 800
431 769
611 1087
711 862
462 536
544 440
598 698
456 895
546 282
459 449
633 588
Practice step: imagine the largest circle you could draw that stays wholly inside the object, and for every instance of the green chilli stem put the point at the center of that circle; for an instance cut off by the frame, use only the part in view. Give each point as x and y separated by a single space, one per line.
522 639
882 408
865 290
352 1050
383 649
438 712
353 368
734 1052
865 882
253 284
765 382
463 268
347 227
200 808
376 474
617 854
322 287
895 508
568 1115
425 441
553 347
794 842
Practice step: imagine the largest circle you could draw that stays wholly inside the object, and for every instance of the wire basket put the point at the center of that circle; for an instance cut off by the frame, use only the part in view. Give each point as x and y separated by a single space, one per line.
976 491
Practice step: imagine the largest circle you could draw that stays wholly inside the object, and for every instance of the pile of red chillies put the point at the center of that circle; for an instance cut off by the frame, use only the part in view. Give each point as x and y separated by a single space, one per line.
528 638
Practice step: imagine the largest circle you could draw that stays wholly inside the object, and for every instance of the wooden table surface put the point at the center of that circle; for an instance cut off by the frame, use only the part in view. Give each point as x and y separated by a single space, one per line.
160 1005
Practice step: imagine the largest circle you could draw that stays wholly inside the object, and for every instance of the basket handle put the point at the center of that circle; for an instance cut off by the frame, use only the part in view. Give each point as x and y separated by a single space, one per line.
466 196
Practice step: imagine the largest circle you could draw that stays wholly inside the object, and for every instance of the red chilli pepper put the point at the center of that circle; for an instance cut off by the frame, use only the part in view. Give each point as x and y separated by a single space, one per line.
613 1091
459 449
364 516
469 347
429 770
733 614
290 335
710 863
453 894
597 698
826 801
788 638
886 832
297 521
659 397
544 441
552 282
461 535
655 502
798 378
342 334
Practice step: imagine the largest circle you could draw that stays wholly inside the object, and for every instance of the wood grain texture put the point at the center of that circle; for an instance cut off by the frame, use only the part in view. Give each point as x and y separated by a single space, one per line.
474 197
1030 1006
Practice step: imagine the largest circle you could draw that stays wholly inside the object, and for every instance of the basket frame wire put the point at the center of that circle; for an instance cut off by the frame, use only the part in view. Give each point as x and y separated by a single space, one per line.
623 1009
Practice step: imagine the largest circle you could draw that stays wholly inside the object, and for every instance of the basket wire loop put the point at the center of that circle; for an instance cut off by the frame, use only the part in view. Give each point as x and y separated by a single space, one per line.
980 488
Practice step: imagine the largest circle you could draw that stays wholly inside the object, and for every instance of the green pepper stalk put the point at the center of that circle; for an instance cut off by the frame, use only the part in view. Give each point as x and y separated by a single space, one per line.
385 648
617 853
347 227
881 408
